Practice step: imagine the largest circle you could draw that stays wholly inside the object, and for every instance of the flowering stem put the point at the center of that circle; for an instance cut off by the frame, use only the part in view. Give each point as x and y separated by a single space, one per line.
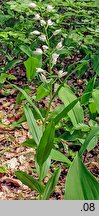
50 71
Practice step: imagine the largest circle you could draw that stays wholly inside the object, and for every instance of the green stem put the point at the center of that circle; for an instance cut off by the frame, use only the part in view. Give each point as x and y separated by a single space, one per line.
50 72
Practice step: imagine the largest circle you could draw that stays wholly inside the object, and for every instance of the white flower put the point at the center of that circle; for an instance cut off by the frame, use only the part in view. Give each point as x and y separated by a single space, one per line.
45 47
32 5
43 78
55 87
61 73
49 22
43 22
54 58
38 51
50 8
57 32
42 37
35 33
59 45
37 17
40 70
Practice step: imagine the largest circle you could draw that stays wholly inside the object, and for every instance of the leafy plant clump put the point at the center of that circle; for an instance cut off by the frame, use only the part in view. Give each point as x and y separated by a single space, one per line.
55 41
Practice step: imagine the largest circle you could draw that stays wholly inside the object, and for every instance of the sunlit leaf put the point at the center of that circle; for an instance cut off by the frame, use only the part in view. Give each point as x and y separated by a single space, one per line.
33 127
80 183
58 156
29 181
46 144
76 114
52 182
90 136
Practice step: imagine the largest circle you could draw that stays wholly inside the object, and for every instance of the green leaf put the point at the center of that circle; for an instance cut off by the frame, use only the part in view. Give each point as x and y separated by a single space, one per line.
29 100
80 183
95 62
39 57
2 78
58 156
31 65
5 76
42 171
58 109
30 143
34 129
95 96
26 50
92 107
88 91
89 39
46 144
52 182
29 181
82 67
82 127
76 114
65 111
42 91
11 65
90 136
92 143
70 137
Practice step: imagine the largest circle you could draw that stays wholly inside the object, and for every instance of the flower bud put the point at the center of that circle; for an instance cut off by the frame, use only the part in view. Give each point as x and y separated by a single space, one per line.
54 58
61 73
59 45
32 5
45 47
37 17
38 51
35 33
43 22
43 78
49 22
57 32
40 70
42 37
50 8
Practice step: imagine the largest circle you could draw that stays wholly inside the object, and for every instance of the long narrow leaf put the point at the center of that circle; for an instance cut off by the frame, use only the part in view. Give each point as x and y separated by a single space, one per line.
46 144
88 91
65 111
58 156
29 100
34 129
76 113
42 171
92 143
11 64
31 64
95 96
26 50
90 136
51 184
80 183
29 181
